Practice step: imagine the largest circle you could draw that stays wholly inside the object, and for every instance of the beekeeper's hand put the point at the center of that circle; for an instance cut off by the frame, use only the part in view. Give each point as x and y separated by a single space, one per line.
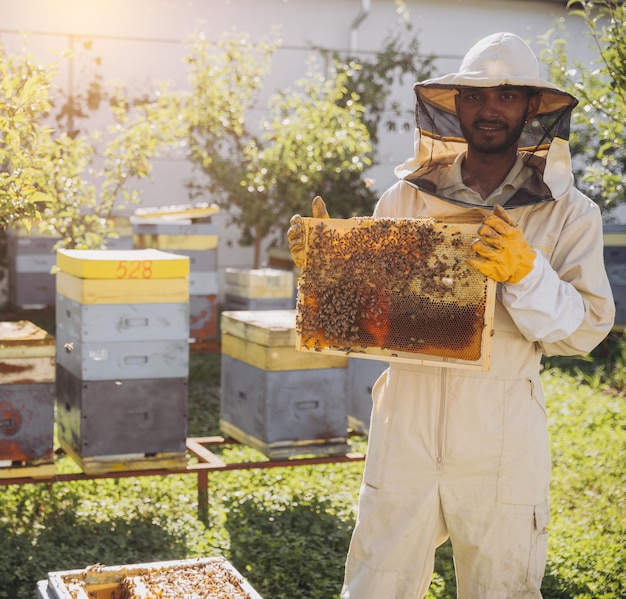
503 253
295 233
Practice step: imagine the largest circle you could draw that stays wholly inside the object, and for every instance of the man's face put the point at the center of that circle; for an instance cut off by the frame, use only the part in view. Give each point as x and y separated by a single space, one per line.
492 118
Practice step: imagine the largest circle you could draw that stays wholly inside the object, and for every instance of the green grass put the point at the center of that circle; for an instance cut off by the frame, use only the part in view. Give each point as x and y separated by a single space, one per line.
288 529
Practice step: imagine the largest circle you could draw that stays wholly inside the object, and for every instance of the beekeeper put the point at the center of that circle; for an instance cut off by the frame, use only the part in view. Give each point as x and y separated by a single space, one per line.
464 454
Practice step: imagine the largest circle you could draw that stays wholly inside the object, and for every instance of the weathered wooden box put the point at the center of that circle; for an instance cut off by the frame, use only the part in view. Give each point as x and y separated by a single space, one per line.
26 424
200 578
121 322
362 374
203 314
615 263
27 353
132 419
27 357
394 289
282 402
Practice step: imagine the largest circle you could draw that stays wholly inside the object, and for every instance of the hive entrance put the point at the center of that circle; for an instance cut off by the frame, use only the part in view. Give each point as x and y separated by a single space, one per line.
393 289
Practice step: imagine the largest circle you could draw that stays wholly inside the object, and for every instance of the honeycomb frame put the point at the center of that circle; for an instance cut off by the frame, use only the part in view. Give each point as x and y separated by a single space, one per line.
394 290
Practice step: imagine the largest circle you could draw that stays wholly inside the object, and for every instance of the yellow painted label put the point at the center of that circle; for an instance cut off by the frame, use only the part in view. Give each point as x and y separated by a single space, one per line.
135 265
615 239
124 291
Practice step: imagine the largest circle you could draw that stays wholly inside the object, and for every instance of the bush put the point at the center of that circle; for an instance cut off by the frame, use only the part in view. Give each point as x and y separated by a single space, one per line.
288 529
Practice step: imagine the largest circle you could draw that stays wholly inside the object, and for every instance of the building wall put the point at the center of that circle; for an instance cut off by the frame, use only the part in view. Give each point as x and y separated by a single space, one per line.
143 40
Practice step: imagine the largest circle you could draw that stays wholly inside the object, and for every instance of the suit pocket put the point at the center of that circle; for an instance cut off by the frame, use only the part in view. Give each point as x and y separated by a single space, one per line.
524 476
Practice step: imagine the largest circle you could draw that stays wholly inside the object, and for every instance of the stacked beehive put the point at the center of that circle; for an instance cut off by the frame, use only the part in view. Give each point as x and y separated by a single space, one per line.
615 262
31 258
362 374
282 402
258 289
122 358
191 232
26 399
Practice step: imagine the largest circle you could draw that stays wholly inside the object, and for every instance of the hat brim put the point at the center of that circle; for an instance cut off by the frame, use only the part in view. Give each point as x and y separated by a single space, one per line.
440 91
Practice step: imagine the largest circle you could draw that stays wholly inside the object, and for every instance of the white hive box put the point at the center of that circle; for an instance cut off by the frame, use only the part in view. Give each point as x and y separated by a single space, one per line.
121 322
282 402
394 290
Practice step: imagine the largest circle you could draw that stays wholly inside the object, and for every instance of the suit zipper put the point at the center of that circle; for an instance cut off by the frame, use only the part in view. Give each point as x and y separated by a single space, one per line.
441 425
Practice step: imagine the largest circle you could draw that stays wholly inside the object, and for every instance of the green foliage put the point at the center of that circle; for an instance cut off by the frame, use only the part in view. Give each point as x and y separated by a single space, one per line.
371 79
598 140
309 143
586 556
287 529
47 175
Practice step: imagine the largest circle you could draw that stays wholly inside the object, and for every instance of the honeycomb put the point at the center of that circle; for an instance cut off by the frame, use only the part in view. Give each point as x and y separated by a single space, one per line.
203 581
393 288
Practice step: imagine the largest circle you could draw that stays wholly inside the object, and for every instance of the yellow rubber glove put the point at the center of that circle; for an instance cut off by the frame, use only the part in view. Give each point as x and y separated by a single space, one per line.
295 233
504 253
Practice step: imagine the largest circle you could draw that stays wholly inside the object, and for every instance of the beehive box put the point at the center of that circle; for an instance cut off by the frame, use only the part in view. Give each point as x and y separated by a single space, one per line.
26 397
179 234
121 322
362 374
615 264
127 424
26 425
396 290
134 265
199 260
259 283
108 360
31 258
200 578
27 353
280 401
203 314
203 283
253 304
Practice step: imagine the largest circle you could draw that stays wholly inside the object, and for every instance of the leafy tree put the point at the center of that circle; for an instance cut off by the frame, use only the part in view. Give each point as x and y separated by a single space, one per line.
318 139
47 174
598 140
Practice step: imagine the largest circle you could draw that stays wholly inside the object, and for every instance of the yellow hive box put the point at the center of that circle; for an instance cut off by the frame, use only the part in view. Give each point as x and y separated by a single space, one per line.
266 339
259 283
176 242
122 291
394 290
131 265
179 211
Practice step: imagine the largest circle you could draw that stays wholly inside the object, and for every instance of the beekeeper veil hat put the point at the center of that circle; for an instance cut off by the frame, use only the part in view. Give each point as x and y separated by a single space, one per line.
496 60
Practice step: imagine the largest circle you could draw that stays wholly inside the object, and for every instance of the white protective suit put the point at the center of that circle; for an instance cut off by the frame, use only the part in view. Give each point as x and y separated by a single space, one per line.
460 453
